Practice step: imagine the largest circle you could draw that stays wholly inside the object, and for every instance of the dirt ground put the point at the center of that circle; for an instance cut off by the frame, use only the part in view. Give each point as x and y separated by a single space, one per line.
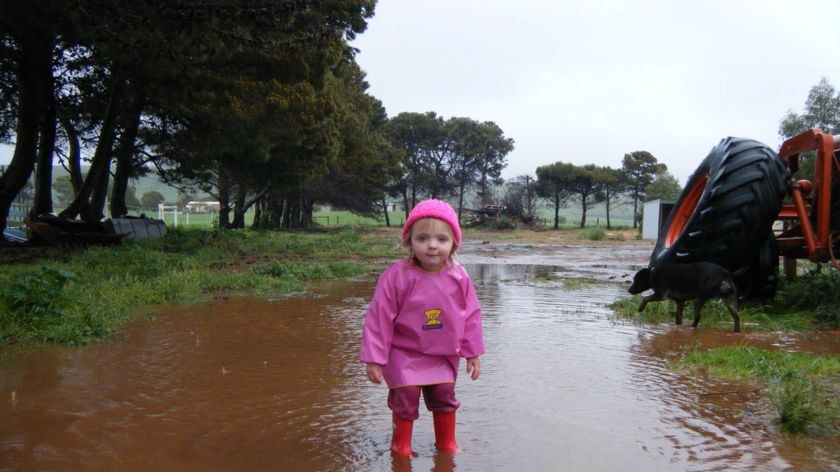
623 236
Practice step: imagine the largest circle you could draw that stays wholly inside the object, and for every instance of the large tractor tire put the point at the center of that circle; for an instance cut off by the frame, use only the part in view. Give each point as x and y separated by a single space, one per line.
761 277
725 215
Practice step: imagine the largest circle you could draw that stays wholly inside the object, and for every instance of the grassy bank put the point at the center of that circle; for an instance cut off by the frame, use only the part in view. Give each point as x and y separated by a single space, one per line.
803 388
88 293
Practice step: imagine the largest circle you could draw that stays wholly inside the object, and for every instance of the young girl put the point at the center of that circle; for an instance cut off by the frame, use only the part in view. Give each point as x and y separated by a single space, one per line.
424 316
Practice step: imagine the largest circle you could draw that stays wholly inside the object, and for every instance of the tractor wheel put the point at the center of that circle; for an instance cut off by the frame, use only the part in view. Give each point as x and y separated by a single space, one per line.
726 211
762 276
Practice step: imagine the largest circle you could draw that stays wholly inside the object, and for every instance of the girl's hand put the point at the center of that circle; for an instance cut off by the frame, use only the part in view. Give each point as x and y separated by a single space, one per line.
473 367
374 373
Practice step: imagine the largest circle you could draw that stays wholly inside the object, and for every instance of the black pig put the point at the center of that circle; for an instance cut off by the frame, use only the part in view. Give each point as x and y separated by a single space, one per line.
698 281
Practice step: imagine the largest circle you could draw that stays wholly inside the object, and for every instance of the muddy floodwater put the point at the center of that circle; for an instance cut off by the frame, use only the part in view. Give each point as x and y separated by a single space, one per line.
275 384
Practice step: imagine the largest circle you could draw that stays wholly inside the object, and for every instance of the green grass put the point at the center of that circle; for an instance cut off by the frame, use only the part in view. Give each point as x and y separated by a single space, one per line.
332 219
803 388
754 315
324 219
96 290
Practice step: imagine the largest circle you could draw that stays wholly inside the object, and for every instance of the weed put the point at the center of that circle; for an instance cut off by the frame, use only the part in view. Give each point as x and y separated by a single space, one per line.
798 400
595 234
39 294
501 222
36 305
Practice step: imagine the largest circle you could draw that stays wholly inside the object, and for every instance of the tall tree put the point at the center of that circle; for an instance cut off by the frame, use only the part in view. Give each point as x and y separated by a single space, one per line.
478 155
822 110
466 136
640 168
613 184
415 136
521 200
365 162
554 184
664 186
492 161
585 185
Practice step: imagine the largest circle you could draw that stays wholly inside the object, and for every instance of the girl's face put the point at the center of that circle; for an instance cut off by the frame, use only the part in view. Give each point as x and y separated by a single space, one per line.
432 243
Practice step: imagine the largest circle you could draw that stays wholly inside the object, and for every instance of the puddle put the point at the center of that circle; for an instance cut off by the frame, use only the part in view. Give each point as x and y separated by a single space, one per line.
275 385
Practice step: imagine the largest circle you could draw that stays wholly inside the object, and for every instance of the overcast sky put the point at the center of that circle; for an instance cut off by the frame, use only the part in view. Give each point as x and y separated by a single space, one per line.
588 81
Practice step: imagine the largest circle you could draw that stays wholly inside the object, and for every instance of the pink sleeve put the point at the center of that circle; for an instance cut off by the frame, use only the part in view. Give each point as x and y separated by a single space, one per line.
473 343
378 331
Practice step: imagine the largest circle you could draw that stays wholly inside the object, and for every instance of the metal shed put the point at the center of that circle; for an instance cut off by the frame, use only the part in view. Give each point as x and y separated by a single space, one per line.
654 215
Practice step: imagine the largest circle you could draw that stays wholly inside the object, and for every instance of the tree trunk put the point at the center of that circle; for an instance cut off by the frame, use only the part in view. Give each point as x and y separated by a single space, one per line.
292 217
34 65
239 207
258 211
583 212
307 210
286 221
74 157
275 211
224 200
125 158
461 191
385 211
42 203
556 210
90 201
635 209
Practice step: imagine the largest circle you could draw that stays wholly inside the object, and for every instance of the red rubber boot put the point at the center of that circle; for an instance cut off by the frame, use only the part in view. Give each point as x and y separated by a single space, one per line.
401 440
445 432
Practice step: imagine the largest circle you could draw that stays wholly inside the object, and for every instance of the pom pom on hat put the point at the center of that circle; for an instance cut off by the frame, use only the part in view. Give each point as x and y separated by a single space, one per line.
434 209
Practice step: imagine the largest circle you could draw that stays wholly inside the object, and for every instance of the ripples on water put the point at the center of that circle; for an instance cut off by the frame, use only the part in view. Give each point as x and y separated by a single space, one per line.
276 385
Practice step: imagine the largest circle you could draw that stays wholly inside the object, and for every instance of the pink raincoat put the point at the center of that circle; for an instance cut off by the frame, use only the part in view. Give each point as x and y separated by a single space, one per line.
419 324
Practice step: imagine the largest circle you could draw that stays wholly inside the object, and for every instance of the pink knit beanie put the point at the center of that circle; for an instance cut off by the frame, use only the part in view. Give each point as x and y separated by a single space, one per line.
434 209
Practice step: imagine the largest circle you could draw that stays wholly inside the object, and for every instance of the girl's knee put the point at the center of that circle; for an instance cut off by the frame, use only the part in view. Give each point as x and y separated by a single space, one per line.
440 398
405 402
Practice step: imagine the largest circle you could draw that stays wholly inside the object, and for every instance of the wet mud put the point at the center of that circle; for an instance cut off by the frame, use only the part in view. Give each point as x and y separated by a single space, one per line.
275 384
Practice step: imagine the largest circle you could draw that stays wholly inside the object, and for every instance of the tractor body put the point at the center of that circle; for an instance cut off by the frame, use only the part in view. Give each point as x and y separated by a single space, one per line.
810 221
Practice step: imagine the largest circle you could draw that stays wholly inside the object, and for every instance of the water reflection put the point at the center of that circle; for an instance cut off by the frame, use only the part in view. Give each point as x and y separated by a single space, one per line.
276 385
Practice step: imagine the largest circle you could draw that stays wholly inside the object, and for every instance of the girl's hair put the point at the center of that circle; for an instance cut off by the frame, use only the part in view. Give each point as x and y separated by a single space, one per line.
425 223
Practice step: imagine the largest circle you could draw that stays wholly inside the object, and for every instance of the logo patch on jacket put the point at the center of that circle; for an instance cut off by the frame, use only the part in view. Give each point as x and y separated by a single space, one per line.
432 321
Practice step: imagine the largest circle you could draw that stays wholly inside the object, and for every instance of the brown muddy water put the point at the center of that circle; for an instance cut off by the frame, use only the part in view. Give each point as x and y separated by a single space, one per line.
276 385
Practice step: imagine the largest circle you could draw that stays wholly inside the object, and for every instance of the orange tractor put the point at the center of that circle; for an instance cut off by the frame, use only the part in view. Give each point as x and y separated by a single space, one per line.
733 211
